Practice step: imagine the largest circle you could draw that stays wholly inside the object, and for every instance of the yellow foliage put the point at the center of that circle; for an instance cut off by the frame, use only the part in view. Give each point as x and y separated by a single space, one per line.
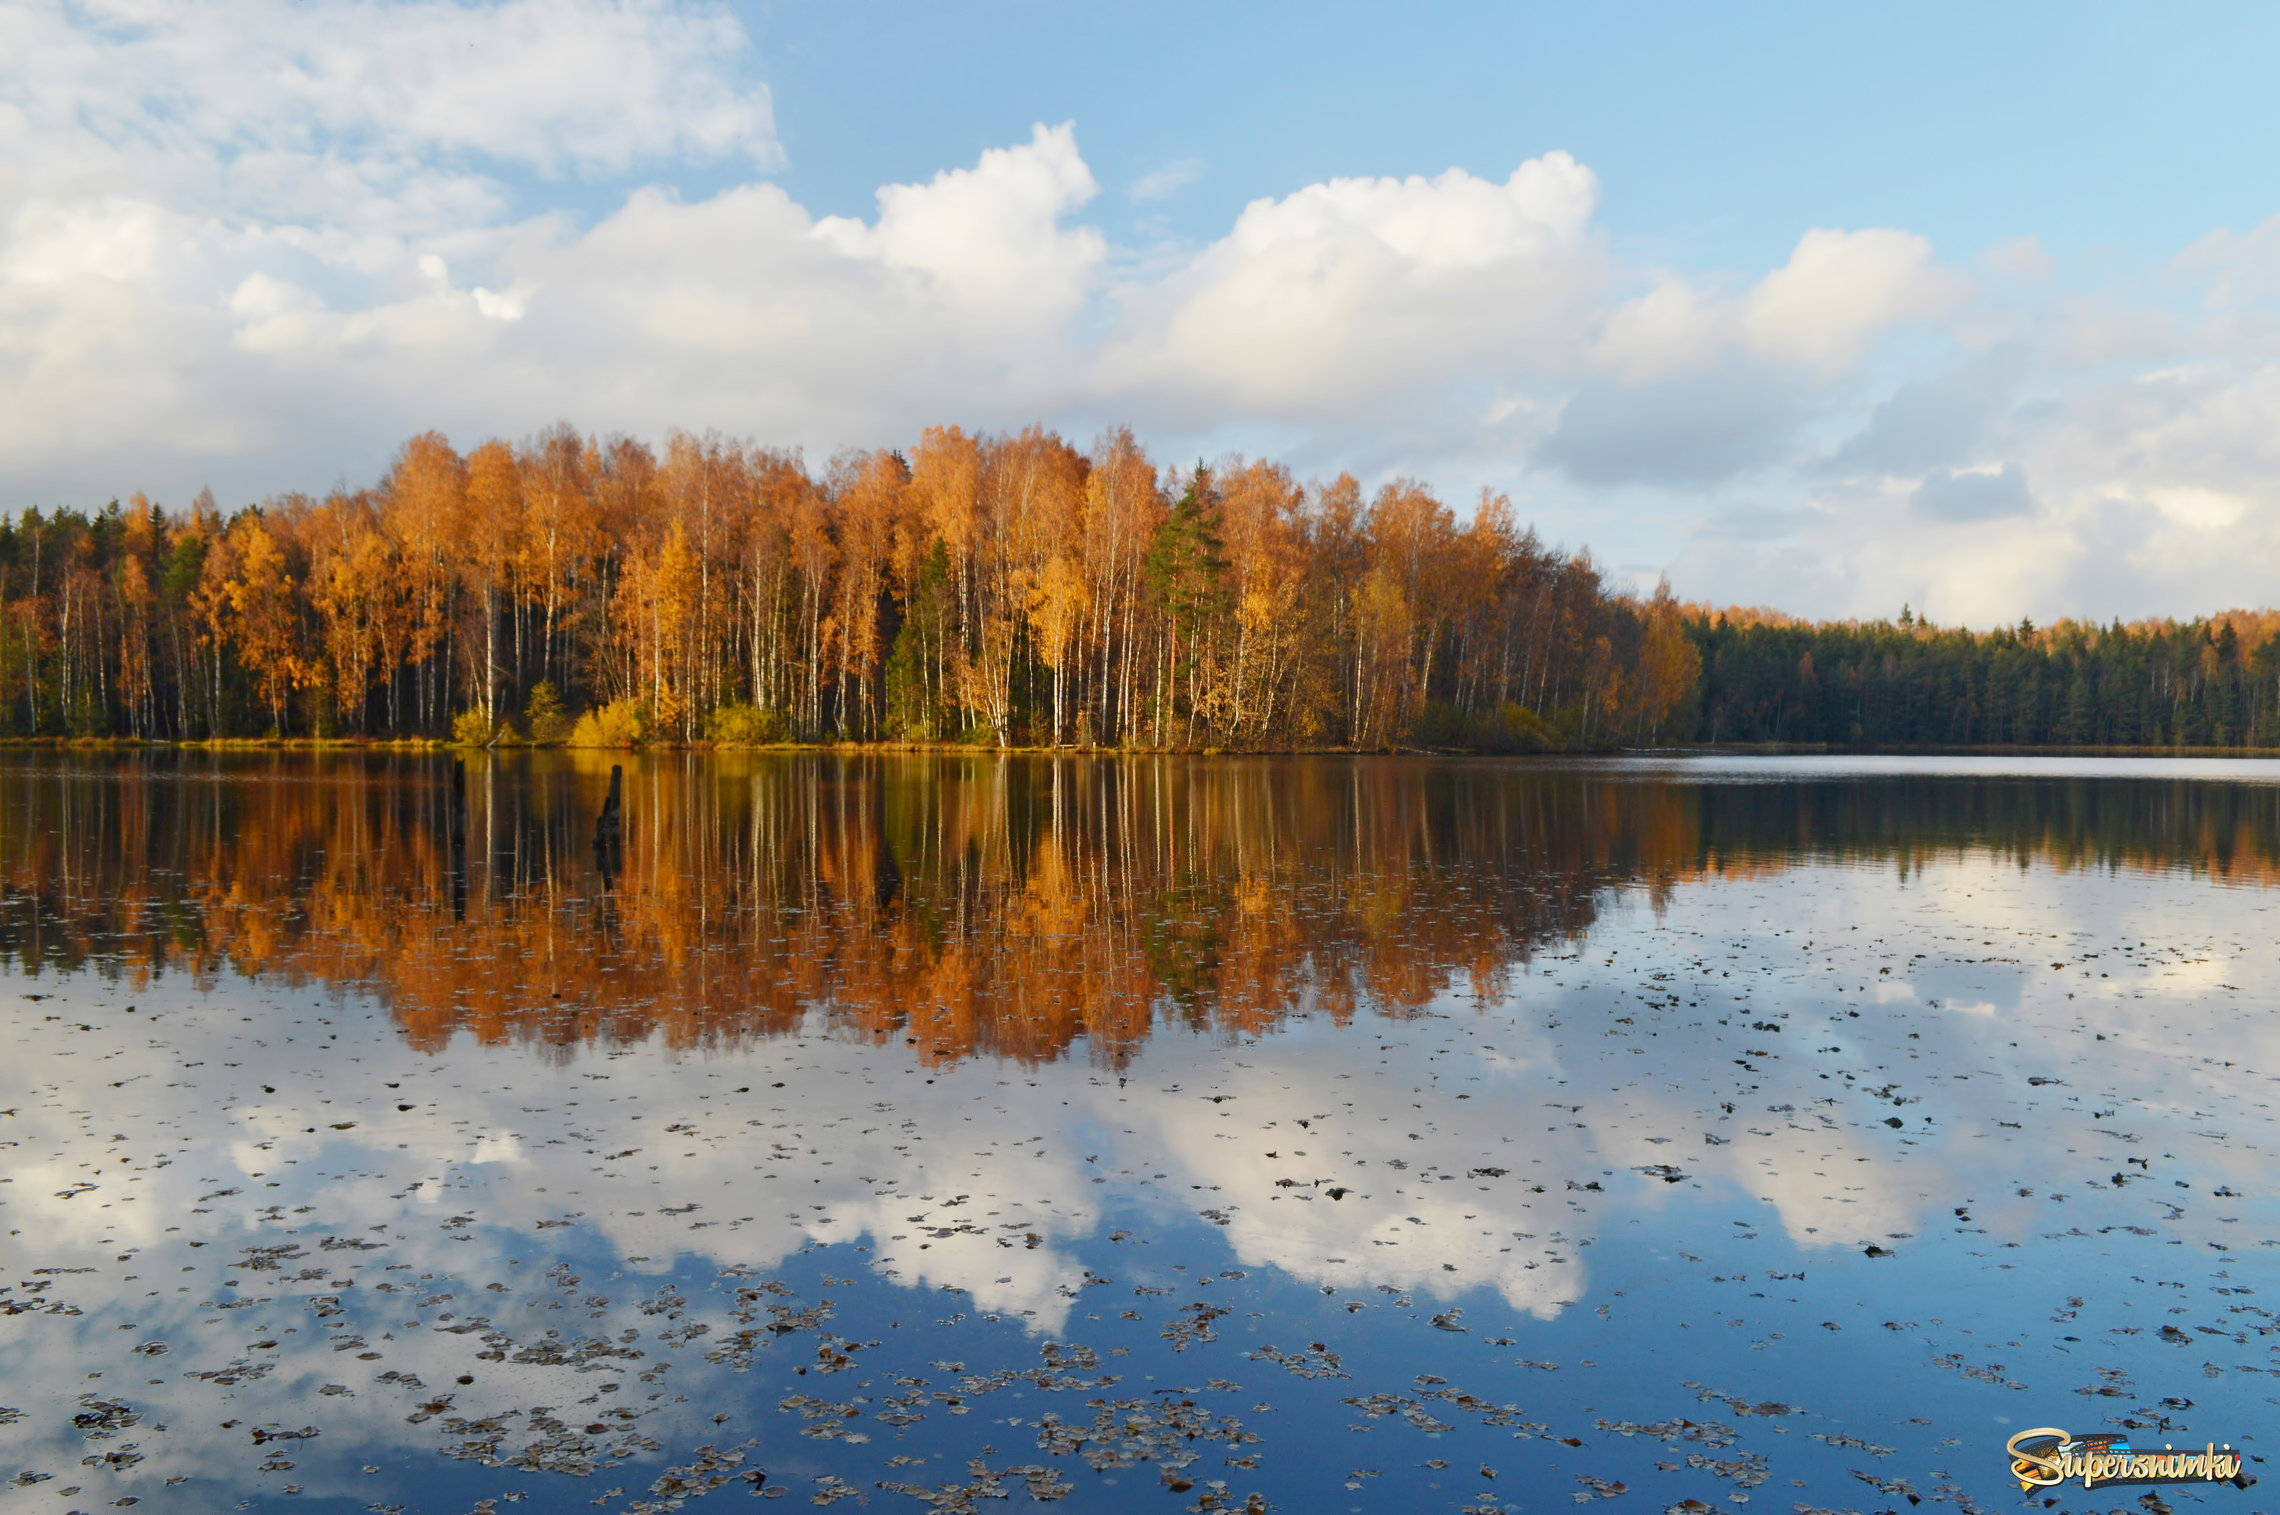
620 723
741 725
472 728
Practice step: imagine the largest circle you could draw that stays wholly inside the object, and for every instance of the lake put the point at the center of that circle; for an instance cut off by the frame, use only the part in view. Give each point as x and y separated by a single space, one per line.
1307 1134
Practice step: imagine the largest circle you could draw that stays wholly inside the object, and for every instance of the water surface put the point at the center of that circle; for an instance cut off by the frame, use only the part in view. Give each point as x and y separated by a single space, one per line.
1304 1134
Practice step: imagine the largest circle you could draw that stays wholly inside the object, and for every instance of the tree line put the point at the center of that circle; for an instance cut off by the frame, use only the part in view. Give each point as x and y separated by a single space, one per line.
2208 682
999 590
1002 590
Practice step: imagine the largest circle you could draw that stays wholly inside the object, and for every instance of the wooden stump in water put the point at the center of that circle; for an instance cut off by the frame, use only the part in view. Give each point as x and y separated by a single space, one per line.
608 828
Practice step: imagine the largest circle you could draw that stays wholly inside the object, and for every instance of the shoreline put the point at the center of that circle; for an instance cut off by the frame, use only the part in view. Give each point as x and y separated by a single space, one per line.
1675 750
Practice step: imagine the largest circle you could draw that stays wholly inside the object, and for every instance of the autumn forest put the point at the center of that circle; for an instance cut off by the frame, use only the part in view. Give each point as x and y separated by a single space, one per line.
998 591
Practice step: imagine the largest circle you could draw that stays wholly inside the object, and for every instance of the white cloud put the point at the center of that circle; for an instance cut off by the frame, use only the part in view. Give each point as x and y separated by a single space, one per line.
1669 328
1335 295
214 216
1838 293
987 240
557 85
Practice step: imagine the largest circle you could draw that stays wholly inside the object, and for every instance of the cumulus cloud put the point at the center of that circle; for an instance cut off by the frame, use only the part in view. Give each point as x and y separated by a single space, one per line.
1838 293
988 239
1346 291
742 311
222 220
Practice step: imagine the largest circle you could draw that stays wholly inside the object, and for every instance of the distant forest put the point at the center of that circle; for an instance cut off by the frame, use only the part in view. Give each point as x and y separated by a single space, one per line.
2213 682
994 590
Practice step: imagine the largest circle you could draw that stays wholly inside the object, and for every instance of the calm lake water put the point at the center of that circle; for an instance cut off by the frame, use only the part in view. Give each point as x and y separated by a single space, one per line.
1185 1135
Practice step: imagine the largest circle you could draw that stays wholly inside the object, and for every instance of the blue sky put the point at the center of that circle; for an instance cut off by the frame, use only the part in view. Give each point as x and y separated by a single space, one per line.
1817 307
2119 133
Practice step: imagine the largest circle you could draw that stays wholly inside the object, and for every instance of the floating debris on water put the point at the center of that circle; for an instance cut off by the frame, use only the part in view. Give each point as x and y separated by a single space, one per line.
1029 1180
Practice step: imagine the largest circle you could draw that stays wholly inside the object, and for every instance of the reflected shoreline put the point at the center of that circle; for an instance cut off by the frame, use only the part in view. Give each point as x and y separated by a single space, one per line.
972 905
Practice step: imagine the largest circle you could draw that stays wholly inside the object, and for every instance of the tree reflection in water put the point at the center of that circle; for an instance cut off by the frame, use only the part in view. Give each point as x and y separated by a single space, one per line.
974 906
